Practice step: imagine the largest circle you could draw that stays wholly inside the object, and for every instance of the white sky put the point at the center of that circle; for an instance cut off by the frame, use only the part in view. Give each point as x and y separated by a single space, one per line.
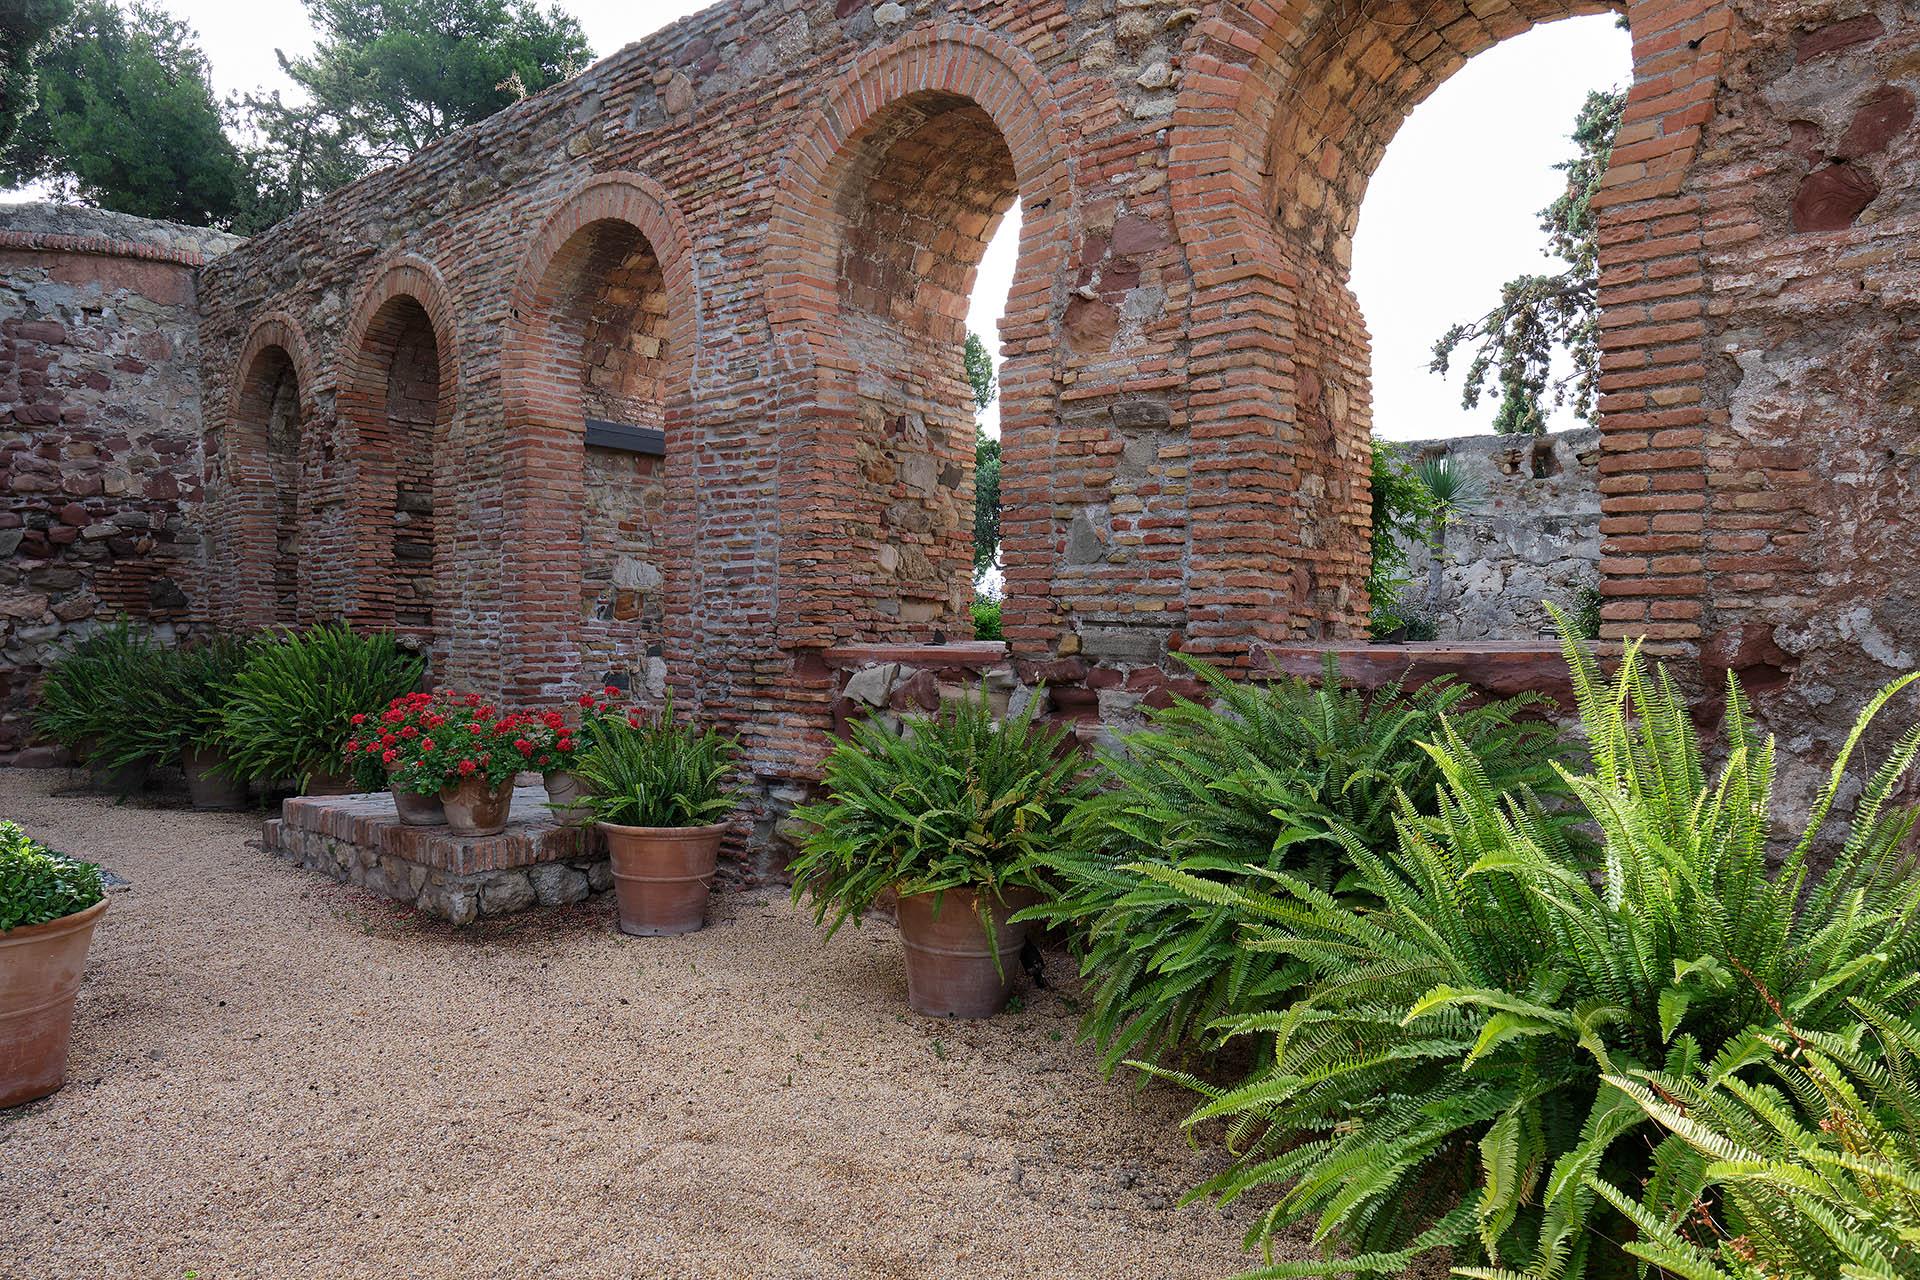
1451 214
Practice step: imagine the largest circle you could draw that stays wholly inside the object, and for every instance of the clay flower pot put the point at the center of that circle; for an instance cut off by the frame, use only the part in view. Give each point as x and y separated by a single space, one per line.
210 786
120 780
663 876
950 956
476 807
416 810
325 782
40 968
567 797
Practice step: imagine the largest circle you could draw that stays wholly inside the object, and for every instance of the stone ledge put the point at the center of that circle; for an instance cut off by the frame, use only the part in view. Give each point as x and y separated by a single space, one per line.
964 655
359 839
1500 668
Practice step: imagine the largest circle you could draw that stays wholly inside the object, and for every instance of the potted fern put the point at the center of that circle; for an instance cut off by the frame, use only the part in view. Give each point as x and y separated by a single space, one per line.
49 904
292 706
660 791
82 704
173 709
955 816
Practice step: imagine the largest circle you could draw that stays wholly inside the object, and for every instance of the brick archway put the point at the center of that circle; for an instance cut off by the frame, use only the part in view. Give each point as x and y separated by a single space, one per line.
404 317
262 490
960 97
613 223
1277 130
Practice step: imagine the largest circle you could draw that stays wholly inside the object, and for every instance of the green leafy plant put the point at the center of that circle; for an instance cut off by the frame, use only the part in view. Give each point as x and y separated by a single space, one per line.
957 800
652 771
1474 1015
1811 1140
173 701
38 885
1263 779
293 703
986 619
1402 513
79 704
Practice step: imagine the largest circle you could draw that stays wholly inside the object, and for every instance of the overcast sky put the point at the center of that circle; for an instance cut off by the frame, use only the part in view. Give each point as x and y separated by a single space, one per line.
1451 214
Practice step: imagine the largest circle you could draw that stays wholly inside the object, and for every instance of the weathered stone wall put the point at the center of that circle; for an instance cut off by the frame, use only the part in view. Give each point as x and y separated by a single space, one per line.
1185 402
100 425
1531 535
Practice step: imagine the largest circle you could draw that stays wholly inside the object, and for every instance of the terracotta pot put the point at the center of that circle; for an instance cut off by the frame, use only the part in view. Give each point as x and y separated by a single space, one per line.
663 876
121 780
210 786
40 968
950 956
567 796
325 782
416 810
477 808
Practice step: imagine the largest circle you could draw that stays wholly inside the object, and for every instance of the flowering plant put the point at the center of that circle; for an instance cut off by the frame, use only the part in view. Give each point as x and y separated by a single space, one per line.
559 742
429 742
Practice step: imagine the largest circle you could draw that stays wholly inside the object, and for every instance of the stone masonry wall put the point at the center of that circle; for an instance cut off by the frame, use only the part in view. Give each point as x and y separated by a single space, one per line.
1184 397
1533 535
100 433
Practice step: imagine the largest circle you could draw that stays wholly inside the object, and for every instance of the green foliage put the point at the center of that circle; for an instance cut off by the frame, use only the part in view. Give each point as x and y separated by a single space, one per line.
956 801
387 77
1402 513
1513 344
174 701
1584 616
986 502
1473 1015
25 25
986 619
654 772
980 376
82 702
124 117
1263 780
1817 1160
38 885
294 701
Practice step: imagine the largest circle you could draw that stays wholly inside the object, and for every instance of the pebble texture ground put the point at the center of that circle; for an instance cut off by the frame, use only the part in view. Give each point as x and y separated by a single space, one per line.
275 1075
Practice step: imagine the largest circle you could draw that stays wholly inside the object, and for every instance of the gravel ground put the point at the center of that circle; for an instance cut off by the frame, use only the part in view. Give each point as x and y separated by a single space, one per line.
276 1075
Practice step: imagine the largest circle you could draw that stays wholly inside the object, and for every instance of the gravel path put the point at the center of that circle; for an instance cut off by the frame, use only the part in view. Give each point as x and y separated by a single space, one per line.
275 1075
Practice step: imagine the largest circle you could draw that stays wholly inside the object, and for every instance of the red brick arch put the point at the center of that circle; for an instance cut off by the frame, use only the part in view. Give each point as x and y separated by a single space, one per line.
381 319
1280 122
963 69
543 377
254 498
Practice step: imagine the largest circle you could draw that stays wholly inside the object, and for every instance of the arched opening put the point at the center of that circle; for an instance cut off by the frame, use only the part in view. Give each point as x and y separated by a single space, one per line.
1501 278
264 502
922 189
601 334
399 402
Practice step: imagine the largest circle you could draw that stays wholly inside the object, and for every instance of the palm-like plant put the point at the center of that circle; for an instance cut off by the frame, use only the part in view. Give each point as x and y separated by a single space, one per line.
293 702
1816 1159
175 701
656 772
958 801
1479 1008
81 700
1451 492
1261 779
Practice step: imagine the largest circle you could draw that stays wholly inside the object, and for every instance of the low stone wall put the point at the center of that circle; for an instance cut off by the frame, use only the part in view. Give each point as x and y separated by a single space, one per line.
361 840
1533 535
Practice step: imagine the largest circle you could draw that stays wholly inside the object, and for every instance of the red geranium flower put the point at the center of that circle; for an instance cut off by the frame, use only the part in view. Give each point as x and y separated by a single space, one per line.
467 767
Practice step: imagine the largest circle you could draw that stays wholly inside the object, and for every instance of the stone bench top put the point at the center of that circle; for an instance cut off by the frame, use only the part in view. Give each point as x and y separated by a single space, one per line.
532 836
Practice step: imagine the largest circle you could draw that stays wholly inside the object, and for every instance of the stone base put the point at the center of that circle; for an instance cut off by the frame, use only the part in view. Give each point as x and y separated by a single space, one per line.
359 839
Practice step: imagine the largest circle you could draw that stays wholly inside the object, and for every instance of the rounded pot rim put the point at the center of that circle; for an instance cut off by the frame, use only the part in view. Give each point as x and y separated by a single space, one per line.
50 928
712 828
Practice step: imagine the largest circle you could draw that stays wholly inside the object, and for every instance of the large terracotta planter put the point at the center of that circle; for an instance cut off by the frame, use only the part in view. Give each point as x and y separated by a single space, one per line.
567 797
208 783
950 957
476 808
121 780
40 969
663 876
416 810
325 782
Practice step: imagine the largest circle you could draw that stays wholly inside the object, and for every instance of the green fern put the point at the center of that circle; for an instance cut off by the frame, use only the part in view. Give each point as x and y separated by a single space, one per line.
1260 780
293 703
1473 1018
655 772
1812 1142
956 800
81 701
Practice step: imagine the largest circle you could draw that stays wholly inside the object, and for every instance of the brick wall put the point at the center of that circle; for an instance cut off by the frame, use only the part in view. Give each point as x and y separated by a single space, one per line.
789 197
100 423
